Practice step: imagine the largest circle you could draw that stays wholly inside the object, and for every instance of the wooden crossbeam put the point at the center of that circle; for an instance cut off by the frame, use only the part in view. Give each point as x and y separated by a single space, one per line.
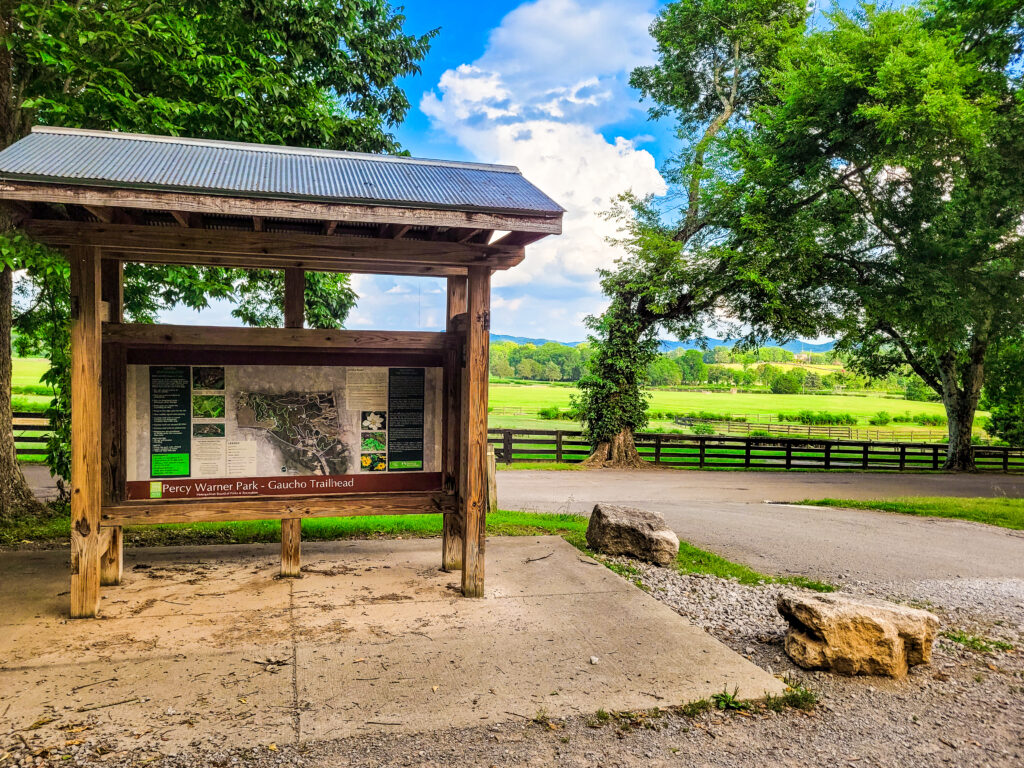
258 248
295 507
73 194
151 335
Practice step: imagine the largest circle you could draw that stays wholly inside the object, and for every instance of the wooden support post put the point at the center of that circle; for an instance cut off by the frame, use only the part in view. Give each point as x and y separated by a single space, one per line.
558 447
451 534
492 480
506 446
474 430
113 375
86 486
112 561
291 527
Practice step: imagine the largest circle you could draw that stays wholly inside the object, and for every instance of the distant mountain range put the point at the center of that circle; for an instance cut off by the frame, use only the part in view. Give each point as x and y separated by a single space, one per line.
668 346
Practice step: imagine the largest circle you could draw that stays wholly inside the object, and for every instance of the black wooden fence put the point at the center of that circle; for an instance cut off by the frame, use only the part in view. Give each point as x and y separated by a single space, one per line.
31 432
725 452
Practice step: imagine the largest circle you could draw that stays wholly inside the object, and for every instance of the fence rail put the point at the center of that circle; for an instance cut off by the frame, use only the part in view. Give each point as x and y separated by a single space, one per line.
31 433
819 430
699 451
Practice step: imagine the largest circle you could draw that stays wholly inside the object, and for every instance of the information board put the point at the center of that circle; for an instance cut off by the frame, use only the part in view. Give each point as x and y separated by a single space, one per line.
253 430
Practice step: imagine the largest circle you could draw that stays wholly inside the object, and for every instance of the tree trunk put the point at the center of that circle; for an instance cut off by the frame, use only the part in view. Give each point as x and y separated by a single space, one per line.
619 452
15 496
960 412
961 390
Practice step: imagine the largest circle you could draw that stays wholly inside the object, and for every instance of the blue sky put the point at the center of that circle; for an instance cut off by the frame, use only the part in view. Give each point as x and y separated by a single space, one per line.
542 85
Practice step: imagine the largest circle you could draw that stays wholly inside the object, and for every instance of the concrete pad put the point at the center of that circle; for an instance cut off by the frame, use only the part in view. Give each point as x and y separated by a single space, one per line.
204 642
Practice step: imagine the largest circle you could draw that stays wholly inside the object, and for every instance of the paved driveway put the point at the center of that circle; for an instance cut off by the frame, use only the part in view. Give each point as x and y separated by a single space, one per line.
726 512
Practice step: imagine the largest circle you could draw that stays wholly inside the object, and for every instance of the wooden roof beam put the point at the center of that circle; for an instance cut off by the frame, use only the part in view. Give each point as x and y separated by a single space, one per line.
162 200
520 238
258 249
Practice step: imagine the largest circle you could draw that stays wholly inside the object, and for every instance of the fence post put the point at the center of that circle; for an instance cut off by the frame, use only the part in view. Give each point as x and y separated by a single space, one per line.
703 445
789 455
746 454
506 447
903 457
558 446
864 457
828 455
657 449
935 457
1006 459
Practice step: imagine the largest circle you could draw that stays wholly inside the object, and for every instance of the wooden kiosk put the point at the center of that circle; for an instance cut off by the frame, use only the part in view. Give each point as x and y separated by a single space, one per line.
110 198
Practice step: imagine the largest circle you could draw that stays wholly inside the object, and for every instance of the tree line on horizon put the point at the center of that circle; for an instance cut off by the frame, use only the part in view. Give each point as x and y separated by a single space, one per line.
713 367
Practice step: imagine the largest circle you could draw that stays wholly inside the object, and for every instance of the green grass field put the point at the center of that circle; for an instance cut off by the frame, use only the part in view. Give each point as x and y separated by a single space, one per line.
542 395
1006 513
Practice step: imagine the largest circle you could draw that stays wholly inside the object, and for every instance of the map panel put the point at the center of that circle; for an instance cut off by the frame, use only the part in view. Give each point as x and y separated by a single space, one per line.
251 426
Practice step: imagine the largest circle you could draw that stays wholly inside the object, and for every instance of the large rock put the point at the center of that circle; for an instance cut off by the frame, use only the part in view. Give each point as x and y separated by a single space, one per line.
856 636
634 532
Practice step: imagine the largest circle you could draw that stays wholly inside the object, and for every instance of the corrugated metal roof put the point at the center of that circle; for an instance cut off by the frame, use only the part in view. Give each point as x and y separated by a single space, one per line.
110 159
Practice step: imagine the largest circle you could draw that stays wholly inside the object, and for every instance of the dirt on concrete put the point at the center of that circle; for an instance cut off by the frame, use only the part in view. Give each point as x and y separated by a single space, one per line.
202 646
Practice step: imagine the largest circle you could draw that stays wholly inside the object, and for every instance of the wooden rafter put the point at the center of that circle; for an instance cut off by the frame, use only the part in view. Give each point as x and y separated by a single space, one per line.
186 218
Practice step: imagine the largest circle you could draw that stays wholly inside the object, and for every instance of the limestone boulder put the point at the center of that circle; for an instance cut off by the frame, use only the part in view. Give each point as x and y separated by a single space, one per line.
854 635
634 532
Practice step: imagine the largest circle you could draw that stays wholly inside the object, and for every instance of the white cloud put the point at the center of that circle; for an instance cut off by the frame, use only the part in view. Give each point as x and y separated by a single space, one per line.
554 74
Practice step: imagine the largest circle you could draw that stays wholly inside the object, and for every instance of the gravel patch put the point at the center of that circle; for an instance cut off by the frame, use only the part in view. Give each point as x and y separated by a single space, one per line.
965 709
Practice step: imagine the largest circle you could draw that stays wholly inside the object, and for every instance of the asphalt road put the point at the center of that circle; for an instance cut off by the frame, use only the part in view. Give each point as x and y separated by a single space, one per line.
726 513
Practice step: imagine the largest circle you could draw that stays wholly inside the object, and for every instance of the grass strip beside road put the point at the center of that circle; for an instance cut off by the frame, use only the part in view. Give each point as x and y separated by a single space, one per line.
22 532
1005 513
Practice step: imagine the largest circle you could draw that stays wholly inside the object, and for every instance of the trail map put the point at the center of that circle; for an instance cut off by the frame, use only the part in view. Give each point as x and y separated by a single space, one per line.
304 425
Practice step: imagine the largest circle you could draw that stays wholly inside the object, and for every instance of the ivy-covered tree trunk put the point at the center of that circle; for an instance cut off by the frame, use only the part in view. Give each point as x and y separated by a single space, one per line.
618 451
611 404
15 496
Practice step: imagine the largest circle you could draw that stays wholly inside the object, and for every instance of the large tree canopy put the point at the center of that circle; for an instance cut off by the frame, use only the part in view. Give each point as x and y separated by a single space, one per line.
882 196
317 73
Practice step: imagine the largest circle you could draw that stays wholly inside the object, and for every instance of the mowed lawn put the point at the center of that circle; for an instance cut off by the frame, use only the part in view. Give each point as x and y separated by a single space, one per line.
535 396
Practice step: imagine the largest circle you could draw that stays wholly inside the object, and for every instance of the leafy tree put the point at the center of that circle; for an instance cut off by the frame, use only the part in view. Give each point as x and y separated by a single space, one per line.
812 381
663 373
882 196
787 383
692 366
316 73
916 389
1004 391
551 372
528 369
713 57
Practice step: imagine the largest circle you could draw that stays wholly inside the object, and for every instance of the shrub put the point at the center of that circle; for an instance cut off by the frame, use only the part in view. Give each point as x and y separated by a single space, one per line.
760 433
703 429
822 418
550 413
880 419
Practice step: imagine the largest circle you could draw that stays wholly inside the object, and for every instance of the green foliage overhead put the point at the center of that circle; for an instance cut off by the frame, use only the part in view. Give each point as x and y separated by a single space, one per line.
882 194
314 73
